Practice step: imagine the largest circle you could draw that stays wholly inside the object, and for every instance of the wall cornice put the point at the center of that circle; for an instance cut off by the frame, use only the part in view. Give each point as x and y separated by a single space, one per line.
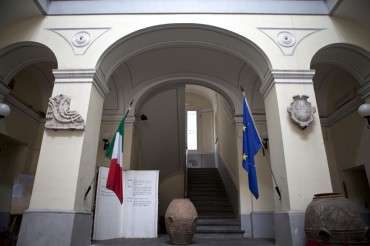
285 77
364 90
342 112
82 76
24 110
4 91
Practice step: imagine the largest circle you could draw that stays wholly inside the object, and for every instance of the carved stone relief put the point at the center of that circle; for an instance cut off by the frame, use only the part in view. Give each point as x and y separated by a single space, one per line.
59 116
301 111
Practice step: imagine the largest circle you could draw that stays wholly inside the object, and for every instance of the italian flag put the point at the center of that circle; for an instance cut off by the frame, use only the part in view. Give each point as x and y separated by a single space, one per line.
115 154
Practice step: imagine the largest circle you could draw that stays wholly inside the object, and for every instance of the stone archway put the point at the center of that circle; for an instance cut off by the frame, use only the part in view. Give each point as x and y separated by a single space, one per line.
342 84
26 83
162 58
202 38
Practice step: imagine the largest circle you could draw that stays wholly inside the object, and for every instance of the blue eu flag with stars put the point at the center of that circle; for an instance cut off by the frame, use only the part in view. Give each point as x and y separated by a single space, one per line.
251 145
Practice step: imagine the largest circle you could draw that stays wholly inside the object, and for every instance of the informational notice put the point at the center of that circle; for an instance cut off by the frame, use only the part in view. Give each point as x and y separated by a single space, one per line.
138 215
21 195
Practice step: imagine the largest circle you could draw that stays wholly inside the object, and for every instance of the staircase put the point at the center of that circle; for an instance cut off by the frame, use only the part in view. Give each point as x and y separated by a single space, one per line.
216 216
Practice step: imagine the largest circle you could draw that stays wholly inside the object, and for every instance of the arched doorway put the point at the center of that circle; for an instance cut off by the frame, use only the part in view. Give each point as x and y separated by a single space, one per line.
152 66
26 85
342 85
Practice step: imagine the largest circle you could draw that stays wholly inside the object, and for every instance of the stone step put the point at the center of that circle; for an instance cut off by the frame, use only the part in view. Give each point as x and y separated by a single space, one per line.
205 203
218 221
216 204
208 195
217 228
216 217
204 181
214 210
218 234
207 189
208 214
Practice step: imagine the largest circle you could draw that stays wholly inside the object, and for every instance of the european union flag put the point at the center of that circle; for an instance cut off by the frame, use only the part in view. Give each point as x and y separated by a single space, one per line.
251 145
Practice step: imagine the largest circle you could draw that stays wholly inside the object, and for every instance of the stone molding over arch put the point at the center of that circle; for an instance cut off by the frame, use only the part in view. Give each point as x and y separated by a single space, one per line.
354 59
183 35
231 95
17 56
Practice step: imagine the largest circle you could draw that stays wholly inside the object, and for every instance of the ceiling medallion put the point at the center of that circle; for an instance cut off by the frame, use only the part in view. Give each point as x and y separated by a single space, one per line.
301 111
81 39
286 39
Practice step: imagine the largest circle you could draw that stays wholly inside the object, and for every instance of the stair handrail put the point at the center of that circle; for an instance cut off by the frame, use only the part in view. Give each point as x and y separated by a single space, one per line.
186 174
186 183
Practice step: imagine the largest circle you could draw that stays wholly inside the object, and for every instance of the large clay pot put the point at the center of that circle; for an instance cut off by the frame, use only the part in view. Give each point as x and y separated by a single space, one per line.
331 218
181 220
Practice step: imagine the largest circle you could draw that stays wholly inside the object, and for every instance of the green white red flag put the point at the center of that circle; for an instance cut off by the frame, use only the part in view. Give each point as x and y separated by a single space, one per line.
115 154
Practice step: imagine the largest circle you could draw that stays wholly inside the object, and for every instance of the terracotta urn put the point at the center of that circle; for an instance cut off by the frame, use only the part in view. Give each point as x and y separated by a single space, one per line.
332 218
181 220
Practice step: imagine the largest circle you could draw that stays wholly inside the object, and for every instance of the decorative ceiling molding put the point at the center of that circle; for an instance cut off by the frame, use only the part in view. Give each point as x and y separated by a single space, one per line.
79 39
288 39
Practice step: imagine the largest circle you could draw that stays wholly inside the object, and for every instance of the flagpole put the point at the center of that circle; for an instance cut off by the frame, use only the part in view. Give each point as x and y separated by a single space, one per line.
95 175
97 168
263 147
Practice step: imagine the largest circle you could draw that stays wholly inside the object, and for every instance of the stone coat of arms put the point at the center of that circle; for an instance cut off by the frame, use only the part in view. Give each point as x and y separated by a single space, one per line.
301 111
59 115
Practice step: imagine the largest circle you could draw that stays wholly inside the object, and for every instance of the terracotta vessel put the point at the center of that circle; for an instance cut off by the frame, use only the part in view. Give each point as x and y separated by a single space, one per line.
332 218
181 220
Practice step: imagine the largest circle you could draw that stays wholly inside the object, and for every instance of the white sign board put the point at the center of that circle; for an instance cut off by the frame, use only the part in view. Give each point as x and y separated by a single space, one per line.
138 215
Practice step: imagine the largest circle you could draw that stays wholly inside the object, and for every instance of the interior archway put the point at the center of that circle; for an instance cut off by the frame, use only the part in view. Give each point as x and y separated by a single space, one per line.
153 67
341 84
26 84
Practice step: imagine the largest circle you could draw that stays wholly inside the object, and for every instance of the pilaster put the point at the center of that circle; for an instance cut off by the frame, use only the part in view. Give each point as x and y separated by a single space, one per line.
66 167
298 157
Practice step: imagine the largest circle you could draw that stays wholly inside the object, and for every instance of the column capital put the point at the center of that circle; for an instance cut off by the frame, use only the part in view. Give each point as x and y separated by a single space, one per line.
286 77
82 76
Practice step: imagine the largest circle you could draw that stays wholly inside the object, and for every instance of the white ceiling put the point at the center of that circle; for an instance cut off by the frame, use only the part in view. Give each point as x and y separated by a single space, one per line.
358 11
58 7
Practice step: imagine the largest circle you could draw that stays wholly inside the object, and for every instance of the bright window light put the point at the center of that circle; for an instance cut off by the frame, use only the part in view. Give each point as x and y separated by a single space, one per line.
192 130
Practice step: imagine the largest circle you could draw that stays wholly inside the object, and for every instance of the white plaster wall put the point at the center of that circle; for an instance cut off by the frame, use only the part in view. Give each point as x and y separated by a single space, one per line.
227 140
300 152
57 179
169 189
331 30
349 139
89 149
